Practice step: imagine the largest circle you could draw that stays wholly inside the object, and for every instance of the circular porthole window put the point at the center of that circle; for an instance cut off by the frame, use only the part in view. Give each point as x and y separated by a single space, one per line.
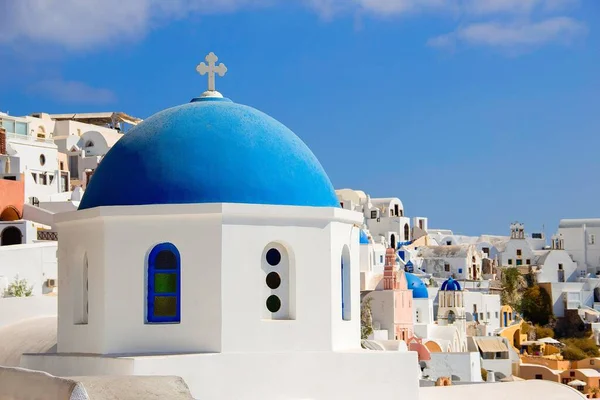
273 280
42 159
273 303
273 257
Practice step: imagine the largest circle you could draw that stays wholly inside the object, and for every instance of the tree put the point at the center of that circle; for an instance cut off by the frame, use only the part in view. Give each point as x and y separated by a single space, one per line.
512 283
572 353
536 305
18 288
543 332
580 348
366 319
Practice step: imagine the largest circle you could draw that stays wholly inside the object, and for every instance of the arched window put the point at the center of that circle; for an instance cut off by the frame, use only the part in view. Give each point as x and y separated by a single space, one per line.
346 290
164 285
10 236
406 232
393 241
80 294
89 143
278 285
451 317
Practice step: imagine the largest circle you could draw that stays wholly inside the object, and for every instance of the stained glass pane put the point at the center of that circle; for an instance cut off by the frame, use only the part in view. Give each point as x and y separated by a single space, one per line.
165 283
165 260
165 306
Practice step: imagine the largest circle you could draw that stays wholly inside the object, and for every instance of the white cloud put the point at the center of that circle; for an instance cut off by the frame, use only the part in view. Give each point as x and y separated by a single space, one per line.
515 35
80 24
72 92
77 24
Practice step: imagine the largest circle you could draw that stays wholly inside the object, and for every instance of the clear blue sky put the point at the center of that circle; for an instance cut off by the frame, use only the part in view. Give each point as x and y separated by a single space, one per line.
474 113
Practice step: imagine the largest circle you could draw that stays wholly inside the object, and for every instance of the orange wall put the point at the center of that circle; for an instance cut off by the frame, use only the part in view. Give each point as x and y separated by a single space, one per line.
530 371
593 363
12 193
552 364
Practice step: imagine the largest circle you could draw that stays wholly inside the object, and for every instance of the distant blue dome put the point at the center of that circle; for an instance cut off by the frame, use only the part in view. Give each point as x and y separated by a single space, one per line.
210 151
419 290
451 285
364 238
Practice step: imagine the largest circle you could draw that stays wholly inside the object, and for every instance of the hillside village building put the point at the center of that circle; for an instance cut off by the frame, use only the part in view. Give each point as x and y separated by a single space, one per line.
35 184
581 239
458 261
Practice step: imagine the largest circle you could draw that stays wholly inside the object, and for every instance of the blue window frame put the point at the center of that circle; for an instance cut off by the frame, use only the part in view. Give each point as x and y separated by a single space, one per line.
163 302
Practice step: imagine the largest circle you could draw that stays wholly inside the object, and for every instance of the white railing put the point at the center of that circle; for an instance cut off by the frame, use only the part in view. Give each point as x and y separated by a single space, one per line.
29 138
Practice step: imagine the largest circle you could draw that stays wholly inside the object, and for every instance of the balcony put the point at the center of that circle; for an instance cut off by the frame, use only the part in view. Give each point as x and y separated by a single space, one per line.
28 138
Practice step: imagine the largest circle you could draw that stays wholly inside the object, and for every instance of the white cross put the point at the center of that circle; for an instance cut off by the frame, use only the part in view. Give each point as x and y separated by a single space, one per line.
211 68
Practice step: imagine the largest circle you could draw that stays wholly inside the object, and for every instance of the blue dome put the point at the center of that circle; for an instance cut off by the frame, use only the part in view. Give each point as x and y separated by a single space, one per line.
451 285
364 239
210 151
419 290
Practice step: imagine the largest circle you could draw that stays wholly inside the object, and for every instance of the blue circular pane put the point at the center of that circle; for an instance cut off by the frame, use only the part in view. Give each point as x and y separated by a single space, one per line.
273 257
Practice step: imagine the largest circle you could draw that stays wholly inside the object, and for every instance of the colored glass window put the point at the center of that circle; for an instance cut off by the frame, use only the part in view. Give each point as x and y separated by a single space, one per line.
164 285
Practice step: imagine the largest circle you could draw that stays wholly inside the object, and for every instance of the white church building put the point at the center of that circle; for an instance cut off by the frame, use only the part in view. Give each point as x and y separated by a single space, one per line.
228 262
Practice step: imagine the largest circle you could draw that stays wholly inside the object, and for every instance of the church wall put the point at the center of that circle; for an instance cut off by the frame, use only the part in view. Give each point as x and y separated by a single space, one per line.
345 333
314 298
510 253
197 237
382 310
79 239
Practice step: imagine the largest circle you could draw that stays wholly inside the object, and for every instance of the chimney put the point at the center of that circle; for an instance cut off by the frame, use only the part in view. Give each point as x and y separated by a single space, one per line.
2 141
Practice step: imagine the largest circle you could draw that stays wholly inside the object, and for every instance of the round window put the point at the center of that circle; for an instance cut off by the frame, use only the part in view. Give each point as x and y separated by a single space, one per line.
273 257
273 303
42 159
273 280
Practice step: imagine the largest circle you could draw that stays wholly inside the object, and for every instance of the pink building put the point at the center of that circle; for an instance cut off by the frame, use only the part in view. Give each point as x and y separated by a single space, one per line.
391 308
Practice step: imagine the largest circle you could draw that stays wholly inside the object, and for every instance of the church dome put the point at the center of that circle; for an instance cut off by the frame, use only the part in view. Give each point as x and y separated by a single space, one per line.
364 238
451 285
419 290
211 150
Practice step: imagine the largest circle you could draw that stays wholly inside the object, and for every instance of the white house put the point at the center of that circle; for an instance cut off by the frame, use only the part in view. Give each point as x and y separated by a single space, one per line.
238 275
581 238
458 261
384 217
483 311
31 155
86 138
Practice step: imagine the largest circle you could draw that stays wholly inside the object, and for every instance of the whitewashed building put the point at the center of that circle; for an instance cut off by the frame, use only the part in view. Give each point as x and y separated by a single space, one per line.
482 312
581 239
457 261
31 155
217 274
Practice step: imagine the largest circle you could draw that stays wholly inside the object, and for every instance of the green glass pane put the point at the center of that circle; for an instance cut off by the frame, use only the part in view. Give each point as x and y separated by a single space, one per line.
165 283
165 306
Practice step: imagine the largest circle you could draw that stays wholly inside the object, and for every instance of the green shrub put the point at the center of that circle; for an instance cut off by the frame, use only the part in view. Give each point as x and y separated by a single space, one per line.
484 374
366 319
573 353
543 332
18 288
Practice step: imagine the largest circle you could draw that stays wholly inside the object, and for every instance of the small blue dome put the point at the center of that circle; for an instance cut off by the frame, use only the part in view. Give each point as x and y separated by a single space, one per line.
210 151
419 290
451 285
364 238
